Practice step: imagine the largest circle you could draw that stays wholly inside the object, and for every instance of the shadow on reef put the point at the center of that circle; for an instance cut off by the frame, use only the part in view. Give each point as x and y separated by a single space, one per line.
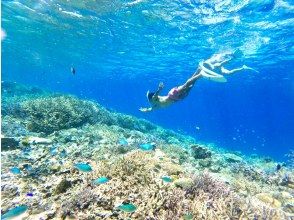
63 157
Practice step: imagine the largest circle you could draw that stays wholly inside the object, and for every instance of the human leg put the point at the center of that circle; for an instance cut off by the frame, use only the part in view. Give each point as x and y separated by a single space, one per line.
244 67
218 60
190 82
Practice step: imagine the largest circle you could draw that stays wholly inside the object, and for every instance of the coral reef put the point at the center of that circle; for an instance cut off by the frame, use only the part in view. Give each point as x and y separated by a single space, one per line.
199 152
62 186
291 158
179 179
78 202
55 113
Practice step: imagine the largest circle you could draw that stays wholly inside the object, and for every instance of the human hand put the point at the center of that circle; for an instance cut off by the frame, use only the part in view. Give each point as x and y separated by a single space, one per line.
144 109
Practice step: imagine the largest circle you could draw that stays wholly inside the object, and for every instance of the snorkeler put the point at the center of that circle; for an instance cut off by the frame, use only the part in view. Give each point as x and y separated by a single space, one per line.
205 69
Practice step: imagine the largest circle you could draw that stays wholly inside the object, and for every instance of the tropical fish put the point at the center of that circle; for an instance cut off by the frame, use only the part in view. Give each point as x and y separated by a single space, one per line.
147 146
188 216
83 167
63 153
167 179
30 194
27 167
15 170
123 142
100 180
53 151
279 166
128 207
16 211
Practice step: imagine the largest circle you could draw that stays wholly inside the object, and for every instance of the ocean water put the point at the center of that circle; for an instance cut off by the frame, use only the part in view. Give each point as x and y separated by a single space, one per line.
121 48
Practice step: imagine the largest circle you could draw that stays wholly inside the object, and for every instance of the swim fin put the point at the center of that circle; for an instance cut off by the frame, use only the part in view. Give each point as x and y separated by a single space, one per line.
207 73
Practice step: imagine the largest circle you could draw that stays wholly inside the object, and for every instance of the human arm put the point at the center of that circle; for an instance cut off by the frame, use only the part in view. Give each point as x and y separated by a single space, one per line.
160 87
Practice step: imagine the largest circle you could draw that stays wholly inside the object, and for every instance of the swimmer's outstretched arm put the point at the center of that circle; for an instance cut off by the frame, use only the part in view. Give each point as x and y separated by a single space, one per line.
146 109
156 94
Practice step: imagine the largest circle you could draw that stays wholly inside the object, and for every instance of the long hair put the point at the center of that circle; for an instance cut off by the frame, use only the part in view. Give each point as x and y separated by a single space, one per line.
149 95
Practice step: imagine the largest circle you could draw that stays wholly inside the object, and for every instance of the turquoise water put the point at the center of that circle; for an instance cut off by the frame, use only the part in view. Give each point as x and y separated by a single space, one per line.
121 49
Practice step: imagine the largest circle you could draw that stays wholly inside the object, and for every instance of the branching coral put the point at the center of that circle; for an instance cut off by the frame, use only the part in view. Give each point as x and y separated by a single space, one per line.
55 113
205 183
79 201
213 199
174 205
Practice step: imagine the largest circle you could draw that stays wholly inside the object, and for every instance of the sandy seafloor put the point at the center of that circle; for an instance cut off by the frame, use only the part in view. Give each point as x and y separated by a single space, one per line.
45 135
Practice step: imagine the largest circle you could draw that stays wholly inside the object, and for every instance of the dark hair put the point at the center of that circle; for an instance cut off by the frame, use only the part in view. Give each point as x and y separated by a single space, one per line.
150 95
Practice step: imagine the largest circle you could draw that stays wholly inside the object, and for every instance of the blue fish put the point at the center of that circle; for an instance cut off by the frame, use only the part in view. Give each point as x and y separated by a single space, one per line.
101 180
30 194
127 207
63 153
167 179
27 167
53 151
188 216
15 170
83 167
123 142
147 146
15 212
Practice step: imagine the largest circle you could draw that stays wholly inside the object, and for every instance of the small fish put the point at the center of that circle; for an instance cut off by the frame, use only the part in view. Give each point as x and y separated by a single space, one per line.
15 170
83 167
53 151
27 167
63 153
279 166
128 207
12 213
30 194
166 179
101 180
147 146
188 216
123 142
73 70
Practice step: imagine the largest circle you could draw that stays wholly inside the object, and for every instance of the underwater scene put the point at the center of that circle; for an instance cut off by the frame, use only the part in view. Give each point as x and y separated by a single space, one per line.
148 110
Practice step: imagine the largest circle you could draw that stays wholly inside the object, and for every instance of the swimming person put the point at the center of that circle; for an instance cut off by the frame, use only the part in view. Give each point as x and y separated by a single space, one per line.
206 69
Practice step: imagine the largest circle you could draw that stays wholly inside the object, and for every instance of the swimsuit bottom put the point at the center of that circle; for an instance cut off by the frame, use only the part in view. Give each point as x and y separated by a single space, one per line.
175 95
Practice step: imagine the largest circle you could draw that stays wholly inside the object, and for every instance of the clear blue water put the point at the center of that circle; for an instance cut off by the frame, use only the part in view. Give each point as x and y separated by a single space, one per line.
121 49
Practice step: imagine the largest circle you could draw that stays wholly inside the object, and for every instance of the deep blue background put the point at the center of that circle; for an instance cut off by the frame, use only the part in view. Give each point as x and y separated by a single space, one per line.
121 50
